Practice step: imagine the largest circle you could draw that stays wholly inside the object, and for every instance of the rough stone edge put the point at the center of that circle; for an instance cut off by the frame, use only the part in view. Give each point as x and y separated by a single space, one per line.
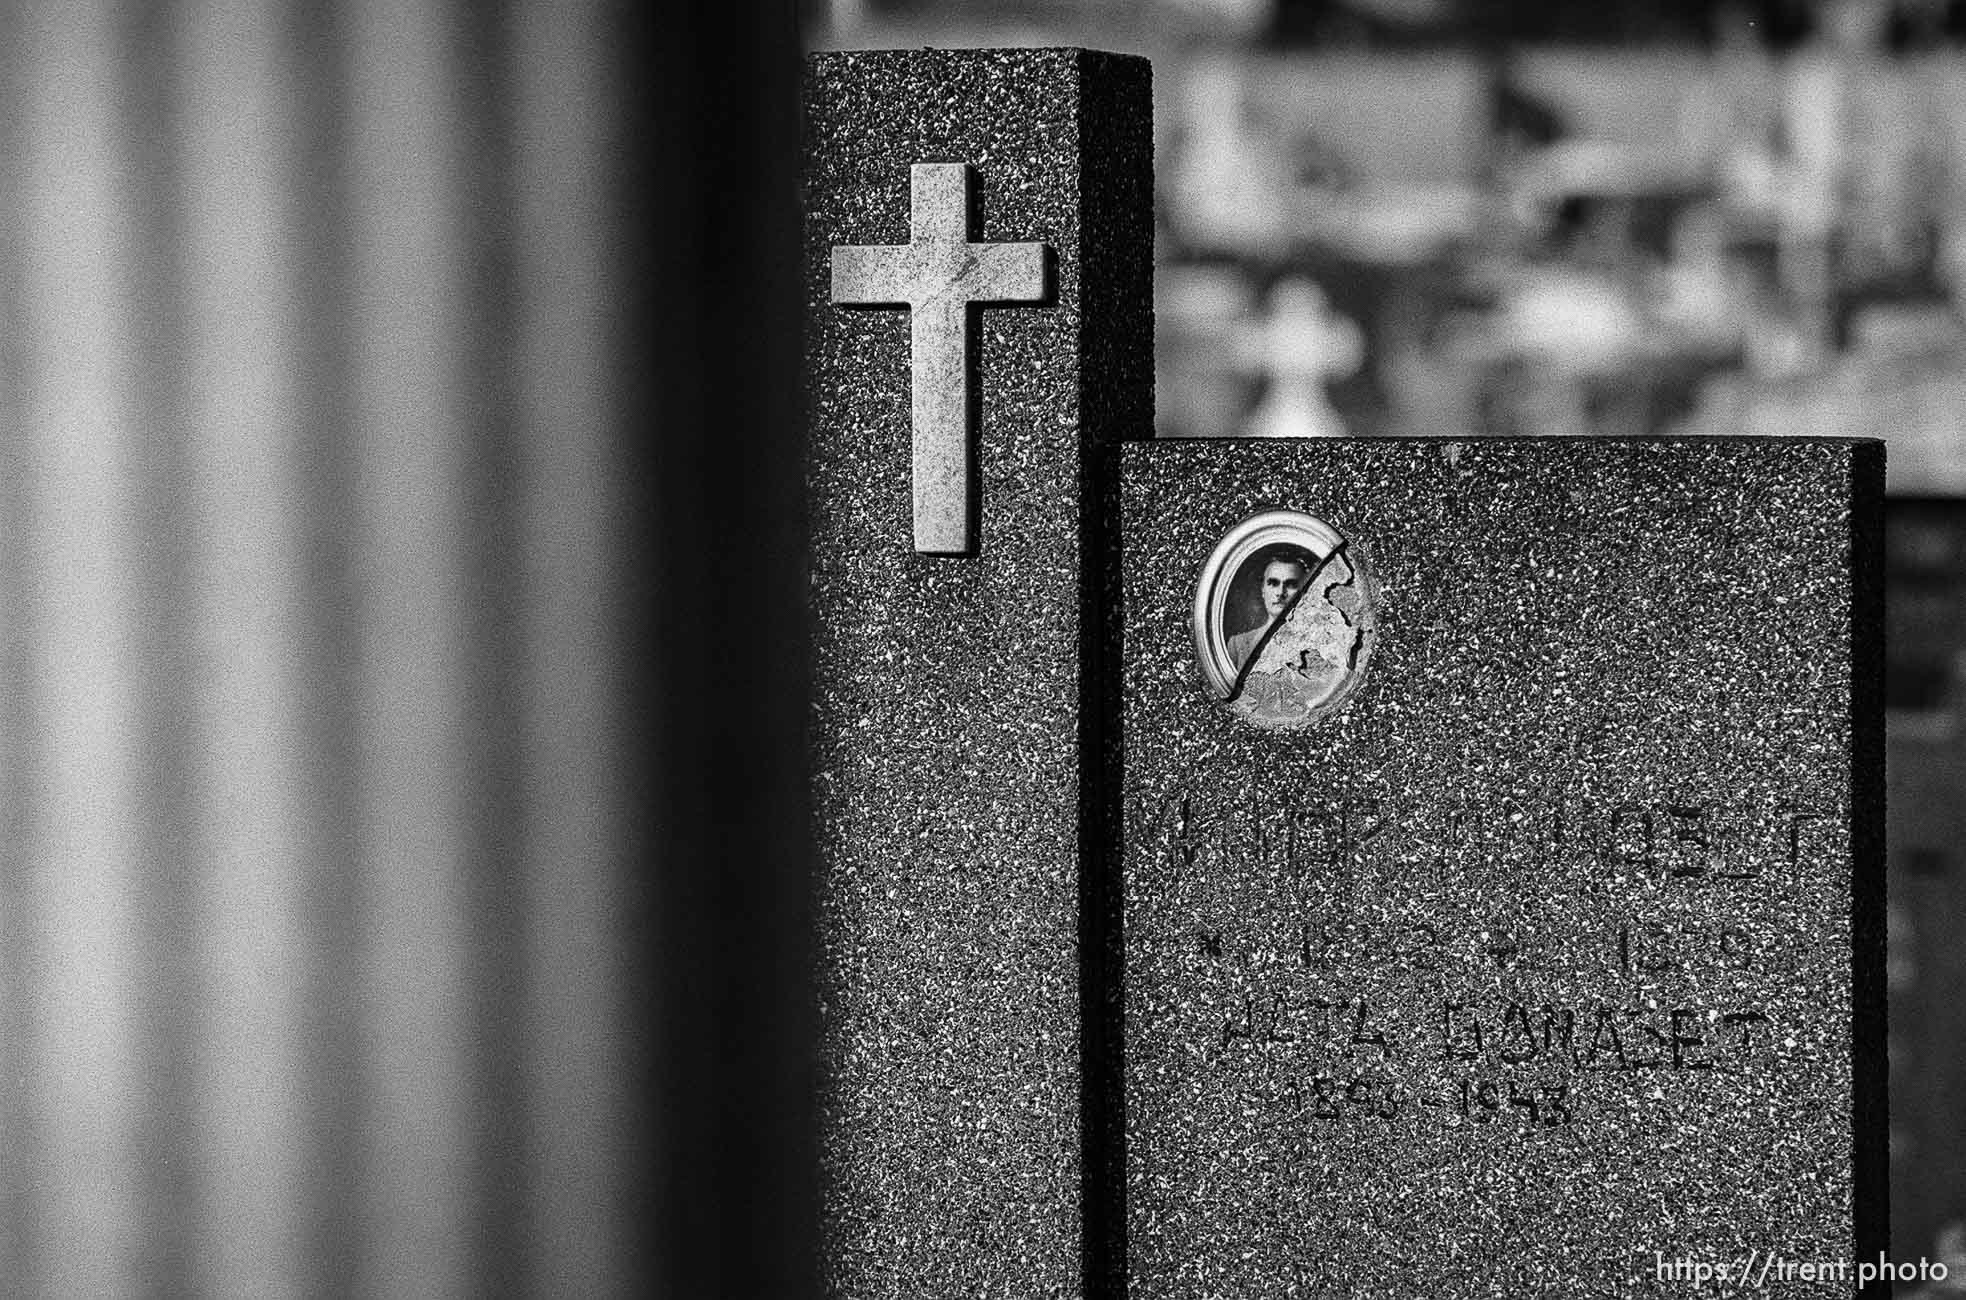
1116 405
1870 1121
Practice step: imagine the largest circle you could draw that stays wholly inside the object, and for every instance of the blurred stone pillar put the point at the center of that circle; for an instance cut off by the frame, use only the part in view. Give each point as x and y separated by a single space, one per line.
710 141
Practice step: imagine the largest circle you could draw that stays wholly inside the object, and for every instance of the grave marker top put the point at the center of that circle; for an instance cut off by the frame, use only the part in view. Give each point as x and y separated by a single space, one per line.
952 707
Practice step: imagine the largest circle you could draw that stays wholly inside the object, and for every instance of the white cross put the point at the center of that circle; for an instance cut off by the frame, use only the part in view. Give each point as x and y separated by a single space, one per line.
936 275
1300 348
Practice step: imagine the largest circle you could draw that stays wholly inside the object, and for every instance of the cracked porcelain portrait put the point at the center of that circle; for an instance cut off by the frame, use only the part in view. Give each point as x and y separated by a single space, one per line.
1284 619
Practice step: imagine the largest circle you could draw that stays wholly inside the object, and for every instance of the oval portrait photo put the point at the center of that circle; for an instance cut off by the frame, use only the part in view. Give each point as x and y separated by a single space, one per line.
1284 619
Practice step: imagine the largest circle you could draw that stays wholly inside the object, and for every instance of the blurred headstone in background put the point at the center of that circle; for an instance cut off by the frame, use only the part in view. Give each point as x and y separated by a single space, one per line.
1925 558
1223 186
1195 306
1298 349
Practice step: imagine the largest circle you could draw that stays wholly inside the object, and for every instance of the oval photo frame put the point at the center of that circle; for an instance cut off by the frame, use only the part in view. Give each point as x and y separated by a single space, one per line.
1307 653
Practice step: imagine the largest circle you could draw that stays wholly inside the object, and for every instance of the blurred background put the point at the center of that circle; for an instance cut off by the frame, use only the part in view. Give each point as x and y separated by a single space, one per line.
1546 218
400 891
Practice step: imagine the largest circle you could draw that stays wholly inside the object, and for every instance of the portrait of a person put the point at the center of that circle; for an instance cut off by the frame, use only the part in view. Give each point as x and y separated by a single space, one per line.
1284 571
1284 619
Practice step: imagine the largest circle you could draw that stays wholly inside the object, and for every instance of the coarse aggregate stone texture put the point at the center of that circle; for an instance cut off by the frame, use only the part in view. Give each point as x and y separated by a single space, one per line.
949 727
1454 992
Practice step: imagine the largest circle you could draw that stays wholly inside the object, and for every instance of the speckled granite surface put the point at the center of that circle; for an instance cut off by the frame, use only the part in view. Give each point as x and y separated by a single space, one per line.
1561 943
948 725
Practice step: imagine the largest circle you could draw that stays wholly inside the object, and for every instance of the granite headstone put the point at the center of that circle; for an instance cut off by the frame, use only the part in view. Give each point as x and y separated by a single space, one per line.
979 272
1342 868
1503 865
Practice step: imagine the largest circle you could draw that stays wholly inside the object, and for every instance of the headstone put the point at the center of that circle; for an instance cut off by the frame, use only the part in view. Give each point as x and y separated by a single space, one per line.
1525 937
1357 868
951 737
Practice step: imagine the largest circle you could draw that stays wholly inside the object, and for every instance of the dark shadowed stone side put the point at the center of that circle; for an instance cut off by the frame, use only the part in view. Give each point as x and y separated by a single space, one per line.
949 725
1555 955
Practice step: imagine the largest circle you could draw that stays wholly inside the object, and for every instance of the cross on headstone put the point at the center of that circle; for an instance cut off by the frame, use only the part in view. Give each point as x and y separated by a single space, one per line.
936 275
